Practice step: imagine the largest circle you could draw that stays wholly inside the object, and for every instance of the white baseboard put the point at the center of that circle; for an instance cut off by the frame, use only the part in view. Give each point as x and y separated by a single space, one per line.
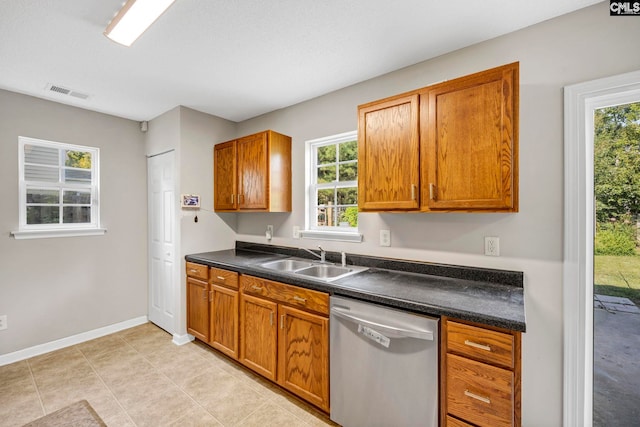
182 339
37 350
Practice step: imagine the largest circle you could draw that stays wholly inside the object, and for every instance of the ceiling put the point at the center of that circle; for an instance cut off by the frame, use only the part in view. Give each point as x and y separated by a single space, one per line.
237 59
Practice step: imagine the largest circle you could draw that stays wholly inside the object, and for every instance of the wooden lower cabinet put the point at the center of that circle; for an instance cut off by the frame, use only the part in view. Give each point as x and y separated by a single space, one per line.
258 335
286 344
212 307
224 320
303 356
198 308
480 371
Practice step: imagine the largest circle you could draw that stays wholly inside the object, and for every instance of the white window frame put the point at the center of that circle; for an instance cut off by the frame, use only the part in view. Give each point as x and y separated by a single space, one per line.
349 234
28 231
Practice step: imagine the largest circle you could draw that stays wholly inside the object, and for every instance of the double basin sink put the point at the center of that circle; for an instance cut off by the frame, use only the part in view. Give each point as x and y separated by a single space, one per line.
323 271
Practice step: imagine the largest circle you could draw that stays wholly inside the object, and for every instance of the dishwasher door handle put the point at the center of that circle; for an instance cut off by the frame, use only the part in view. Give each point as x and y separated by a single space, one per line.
391 330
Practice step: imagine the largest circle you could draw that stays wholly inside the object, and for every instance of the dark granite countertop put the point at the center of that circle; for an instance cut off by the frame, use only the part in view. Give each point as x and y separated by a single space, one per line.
487 296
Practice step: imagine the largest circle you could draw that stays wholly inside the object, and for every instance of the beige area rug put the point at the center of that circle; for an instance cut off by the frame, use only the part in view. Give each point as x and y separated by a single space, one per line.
79 414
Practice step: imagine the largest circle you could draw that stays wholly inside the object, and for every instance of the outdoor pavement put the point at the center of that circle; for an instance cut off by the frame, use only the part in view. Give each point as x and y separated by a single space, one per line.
616 362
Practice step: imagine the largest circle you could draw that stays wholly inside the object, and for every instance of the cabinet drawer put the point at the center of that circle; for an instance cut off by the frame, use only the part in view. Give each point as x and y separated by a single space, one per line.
289 294
481 344
224 277
198 271
454 422
479 393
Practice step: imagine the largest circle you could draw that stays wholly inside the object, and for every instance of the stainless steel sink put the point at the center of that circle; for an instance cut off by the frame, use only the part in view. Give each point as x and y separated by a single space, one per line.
286 264
324 272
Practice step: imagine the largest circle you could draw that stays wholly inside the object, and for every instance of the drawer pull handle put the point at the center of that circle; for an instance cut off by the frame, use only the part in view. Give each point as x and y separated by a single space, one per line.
413 191
271 318
193 270
300 299
476 345
432 191
256 288
220 278
477 397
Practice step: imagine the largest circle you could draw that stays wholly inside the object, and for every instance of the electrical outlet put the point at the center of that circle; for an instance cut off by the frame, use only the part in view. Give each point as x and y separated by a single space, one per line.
385 238
3 322
296 232
492 246
269 232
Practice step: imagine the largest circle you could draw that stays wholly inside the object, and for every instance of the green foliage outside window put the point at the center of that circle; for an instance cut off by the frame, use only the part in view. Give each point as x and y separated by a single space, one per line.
617 178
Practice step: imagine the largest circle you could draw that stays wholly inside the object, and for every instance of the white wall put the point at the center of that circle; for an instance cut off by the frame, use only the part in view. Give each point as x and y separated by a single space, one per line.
581 46
59 287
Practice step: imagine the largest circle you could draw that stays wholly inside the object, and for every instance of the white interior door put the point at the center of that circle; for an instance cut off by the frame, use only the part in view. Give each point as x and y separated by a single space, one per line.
163 289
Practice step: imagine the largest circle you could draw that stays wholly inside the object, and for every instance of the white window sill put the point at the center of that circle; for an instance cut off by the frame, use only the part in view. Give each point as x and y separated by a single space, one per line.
44 234
332 235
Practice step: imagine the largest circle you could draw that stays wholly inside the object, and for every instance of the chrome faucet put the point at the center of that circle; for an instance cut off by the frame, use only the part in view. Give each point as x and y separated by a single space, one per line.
322 255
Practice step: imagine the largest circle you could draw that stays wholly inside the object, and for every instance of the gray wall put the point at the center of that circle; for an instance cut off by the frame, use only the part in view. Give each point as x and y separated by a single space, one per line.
58 287
581 46
192 134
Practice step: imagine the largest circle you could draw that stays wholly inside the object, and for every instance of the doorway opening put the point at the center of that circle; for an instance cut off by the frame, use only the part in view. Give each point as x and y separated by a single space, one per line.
581 102
616 316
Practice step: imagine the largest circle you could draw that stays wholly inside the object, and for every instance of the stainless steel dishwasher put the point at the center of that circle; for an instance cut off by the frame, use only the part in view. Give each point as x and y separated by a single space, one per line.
383 366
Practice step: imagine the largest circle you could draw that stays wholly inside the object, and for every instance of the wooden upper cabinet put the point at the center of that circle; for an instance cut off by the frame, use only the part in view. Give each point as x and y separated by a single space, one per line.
225 176
388 154
253 173
469 142
452 146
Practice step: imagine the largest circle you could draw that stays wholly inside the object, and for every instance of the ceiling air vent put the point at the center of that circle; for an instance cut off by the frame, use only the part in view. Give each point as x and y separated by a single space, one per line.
65 91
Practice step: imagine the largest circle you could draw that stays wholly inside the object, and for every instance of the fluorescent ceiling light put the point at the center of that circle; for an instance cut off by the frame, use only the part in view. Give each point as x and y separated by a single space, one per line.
134 18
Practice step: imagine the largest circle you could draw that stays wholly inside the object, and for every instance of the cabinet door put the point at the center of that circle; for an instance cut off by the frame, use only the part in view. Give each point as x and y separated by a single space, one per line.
225 194
388 154
198 308
469 128
303 355
258 343
224 320
253 172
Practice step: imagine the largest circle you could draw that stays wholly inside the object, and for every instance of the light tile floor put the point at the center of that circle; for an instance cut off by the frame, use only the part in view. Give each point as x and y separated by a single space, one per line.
138 377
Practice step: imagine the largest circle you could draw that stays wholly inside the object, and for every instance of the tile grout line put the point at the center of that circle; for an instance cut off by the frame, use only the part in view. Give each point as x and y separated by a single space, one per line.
35 384
105 384
155 368
180 388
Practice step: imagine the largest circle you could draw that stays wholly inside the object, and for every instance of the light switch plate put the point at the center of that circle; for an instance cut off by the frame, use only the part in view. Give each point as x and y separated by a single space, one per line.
296 232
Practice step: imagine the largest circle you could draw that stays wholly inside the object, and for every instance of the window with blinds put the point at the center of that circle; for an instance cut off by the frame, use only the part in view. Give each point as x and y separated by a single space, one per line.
59 185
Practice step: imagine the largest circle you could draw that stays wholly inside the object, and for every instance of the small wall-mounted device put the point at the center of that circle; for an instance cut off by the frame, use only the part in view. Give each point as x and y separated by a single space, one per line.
190 201
144 126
